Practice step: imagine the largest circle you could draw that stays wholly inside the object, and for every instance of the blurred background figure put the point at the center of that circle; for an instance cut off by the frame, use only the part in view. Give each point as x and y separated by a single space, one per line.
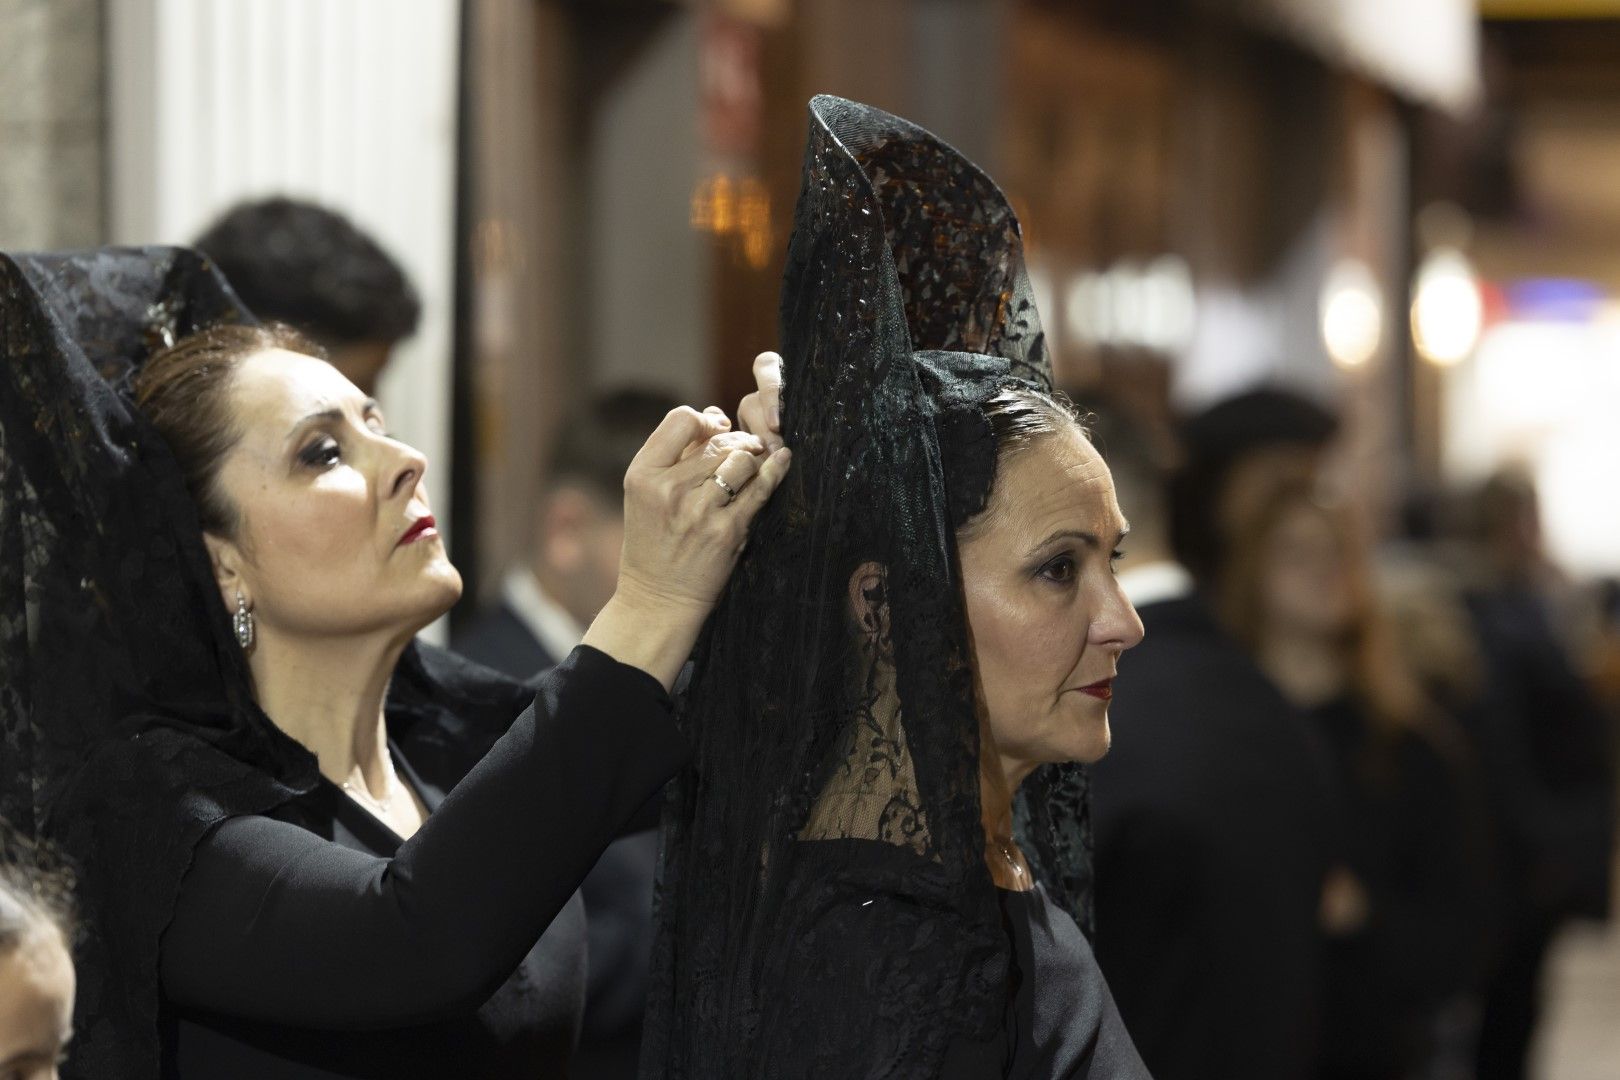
36 965
312 268
1550 747
551 595
1298 591
1216 814
546 602
1238 454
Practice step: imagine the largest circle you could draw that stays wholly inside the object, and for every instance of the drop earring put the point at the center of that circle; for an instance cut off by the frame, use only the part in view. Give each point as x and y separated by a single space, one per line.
242 623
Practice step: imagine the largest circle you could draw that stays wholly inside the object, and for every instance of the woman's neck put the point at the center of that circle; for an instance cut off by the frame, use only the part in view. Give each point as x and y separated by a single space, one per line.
1308 668
998 782
328 695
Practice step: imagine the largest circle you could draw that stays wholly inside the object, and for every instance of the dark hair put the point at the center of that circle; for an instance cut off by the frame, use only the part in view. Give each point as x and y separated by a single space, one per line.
1019 417
594 446
183 391
35 891
309 267
1213 442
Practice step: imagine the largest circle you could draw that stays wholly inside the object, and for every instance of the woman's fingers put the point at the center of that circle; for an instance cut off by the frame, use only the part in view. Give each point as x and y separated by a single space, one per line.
732 475
769 477
707 456
761 411
682 428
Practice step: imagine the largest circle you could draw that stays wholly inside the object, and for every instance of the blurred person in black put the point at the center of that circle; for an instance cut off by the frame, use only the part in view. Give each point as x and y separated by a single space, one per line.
1544 739
1298 592
1216 826
546 603
549 598
309 267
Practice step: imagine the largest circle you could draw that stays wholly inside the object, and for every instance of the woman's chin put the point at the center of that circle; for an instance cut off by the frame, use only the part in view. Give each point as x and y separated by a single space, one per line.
436 593
1090 741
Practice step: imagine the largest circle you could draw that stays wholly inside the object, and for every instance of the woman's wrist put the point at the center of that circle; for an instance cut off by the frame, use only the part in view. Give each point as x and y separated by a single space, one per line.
653 634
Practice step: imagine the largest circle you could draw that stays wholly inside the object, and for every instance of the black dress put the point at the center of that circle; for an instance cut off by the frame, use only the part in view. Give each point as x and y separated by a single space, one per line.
850 963
313 942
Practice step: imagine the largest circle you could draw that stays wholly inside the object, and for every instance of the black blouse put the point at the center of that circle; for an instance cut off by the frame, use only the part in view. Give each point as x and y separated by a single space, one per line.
1062 1021
316 943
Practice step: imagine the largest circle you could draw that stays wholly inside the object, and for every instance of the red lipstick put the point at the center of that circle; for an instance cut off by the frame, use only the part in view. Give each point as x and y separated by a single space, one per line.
1103 690
419 528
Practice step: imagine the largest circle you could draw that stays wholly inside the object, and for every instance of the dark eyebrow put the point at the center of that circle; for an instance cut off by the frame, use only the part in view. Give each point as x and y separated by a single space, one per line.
1091 540
333 414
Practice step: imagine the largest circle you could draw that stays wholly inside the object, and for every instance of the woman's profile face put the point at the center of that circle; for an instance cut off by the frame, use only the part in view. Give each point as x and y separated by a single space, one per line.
334 532
1046 615
36 1009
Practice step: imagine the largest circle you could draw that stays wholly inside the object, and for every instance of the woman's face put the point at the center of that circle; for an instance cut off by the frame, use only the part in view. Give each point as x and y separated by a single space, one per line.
334 534
36 1009
1304 582
1046 615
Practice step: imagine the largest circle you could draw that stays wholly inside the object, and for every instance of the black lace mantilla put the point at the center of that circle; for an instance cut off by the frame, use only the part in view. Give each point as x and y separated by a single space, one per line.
825 783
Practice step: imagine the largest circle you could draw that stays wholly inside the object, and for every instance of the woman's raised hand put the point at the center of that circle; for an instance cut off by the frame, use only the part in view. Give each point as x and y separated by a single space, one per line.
689 497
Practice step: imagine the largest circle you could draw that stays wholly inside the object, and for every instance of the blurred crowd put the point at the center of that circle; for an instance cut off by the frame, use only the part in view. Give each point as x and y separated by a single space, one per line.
1360 776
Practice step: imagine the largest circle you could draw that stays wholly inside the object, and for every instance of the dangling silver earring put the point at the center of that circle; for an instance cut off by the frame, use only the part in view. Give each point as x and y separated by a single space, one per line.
242 622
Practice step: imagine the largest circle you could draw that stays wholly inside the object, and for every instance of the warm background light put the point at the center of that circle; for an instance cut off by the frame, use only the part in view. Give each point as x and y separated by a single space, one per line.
1447 310
1352 313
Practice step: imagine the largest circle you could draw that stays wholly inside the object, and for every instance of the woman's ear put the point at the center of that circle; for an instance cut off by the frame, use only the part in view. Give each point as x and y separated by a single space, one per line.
226 559
869 605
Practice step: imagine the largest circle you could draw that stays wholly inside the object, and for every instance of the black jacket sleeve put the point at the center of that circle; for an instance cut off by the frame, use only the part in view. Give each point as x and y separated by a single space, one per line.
275 923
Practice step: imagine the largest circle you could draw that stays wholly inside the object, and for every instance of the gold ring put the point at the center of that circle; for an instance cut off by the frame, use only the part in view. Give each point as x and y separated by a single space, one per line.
731 492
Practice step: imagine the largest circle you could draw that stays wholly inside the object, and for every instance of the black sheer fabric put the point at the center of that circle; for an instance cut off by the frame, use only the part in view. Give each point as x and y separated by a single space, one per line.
905 307
128 724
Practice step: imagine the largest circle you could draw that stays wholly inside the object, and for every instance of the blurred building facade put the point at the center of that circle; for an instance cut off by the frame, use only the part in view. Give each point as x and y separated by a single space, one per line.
591 194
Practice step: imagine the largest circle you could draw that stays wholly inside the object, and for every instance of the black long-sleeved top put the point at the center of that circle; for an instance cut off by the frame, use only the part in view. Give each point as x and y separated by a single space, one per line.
1216 818
315 943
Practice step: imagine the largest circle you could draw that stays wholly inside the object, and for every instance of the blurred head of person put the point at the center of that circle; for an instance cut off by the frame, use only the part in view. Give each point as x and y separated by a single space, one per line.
1507 519
37 982
309 267
317 521
579 515
1298 591
1234 456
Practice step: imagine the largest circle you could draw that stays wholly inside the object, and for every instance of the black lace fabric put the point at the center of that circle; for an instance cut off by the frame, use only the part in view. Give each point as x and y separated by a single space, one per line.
837 764
127 723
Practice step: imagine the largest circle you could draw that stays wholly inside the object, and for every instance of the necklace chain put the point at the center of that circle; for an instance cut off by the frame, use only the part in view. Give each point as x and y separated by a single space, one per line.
390 784
1014 864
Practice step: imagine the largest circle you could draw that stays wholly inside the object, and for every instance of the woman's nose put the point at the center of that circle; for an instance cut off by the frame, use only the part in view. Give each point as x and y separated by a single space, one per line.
1118 625
409 466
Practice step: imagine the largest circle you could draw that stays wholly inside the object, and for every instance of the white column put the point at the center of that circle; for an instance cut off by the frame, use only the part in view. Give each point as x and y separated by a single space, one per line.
349 103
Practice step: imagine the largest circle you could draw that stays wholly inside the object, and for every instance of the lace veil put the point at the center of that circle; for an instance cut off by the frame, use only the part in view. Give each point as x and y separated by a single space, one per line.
823 781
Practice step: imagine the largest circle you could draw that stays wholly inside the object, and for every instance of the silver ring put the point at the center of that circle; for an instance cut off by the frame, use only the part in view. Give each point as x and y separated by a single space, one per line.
731 492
